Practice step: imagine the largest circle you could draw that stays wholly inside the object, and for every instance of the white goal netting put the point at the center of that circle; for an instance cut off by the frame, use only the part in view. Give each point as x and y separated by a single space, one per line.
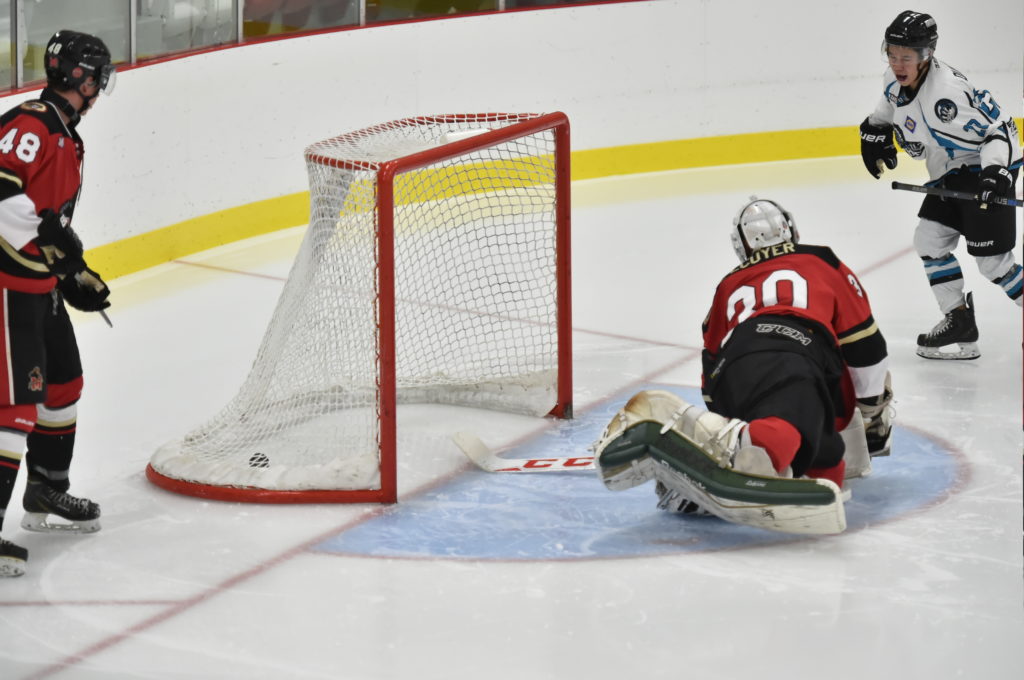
439 286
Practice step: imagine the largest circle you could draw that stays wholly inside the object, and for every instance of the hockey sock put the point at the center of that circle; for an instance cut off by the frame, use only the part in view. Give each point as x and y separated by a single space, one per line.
52 442
49 456
15 422
946 280
1012 283
832 474
780 439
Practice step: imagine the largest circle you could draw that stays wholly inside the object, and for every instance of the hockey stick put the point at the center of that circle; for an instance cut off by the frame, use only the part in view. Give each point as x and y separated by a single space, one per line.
488 461
951 193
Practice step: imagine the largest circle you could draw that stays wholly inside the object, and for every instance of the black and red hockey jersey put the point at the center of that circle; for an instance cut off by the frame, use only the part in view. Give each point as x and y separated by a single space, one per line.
809 282
40 168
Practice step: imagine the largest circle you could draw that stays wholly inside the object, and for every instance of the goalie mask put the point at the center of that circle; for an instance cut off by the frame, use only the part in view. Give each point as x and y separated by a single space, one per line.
761 223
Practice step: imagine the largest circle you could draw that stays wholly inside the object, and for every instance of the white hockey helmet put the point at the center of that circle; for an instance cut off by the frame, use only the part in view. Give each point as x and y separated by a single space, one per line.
761 223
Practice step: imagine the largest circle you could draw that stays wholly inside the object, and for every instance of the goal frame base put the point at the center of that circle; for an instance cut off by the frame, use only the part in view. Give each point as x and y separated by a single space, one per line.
249 494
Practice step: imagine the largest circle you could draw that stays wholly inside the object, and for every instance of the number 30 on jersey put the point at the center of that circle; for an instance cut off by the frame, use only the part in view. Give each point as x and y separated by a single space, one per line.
769 295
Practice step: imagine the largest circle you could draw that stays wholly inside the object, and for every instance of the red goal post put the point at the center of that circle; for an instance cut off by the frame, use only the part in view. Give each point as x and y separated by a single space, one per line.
467 301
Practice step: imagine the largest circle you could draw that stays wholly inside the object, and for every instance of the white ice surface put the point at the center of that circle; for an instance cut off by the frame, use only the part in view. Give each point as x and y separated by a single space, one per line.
176 587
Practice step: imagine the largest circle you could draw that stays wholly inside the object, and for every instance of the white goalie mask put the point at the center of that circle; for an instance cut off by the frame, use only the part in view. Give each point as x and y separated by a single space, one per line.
761 223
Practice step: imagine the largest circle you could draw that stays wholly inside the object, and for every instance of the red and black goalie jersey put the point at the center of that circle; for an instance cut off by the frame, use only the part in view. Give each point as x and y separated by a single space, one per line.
808 282
40 168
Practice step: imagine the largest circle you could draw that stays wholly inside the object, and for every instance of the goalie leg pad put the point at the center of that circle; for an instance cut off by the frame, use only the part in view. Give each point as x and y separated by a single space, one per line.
672 500
800 506
876 414
857 456
726 440
622 452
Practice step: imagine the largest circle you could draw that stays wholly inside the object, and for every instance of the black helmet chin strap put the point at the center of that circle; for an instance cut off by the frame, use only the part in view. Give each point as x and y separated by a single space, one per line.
64 106
87 101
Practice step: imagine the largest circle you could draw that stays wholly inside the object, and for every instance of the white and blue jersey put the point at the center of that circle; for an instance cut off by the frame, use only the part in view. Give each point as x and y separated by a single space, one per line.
949 122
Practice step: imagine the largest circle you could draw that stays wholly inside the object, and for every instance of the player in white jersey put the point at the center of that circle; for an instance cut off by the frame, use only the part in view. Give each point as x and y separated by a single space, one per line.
969 143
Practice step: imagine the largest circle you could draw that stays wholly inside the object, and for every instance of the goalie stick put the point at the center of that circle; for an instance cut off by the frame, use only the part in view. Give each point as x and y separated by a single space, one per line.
951 193
488 461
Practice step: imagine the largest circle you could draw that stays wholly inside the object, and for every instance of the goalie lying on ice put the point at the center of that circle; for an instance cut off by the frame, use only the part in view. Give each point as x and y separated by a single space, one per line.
795 376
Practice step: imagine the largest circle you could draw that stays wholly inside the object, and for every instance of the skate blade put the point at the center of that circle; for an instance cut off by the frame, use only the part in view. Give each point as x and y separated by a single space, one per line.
11 566
39 521
966 351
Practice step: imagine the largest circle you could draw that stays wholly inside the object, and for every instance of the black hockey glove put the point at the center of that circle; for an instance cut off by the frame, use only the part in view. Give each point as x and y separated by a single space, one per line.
877 148
84 290
60 245
995 181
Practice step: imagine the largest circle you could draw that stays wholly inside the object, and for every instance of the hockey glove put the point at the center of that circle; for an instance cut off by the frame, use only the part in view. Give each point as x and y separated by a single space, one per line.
995 181
877 148
878 420
84 290
60 245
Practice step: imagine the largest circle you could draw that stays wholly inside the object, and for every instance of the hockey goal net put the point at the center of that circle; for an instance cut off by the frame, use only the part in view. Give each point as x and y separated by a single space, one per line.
435 269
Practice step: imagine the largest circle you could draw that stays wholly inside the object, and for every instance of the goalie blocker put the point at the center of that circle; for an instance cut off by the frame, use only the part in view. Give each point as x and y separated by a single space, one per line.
703 457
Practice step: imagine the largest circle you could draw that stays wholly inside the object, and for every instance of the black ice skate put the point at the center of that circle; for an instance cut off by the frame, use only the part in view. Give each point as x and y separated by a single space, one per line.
80 515
12 559
958 328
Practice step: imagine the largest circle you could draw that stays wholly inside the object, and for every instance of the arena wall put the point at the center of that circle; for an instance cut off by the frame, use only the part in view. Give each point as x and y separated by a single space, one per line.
202 150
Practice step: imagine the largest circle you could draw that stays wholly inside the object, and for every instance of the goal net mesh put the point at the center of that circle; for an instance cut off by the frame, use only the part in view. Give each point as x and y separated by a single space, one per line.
474 306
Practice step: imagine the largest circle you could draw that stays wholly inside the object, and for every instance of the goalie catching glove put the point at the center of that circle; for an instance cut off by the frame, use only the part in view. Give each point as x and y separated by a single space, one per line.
877 148
81 287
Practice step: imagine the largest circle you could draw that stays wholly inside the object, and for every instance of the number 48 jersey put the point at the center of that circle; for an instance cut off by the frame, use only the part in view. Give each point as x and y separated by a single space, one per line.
809 282
40 168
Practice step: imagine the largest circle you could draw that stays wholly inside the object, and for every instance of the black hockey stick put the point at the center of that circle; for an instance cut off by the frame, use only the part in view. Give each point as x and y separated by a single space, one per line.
950 193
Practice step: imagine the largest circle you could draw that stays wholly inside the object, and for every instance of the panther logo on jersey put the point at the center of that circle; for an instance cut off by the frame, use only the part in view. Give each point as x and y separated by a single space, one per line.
35 380
946 110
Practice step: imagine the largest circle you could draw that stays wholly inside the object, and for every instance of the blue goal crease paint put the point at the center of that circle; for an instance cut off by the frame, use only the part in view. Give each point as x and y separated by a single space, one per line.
571 516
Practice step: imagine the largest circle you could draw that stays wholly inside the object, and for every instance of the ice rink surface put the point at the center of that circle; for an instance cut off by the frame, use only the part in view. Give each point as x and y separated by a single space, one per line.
476 575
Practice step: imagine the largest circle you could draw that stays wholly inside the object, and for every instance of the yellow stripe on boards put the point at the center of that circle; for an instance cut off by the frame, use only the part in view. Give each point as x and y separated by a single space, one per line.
136 253
234 224
755 147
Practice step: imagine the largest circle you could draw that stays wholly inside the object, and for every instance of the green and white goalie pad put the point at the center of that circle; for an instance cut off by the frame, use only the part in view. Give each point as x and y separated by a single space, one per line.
648 449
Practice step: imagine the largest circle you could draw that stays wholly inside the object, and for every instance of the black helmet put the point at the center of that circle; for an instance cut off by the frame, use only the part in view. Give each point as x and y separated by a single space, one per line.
73 57
913 29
